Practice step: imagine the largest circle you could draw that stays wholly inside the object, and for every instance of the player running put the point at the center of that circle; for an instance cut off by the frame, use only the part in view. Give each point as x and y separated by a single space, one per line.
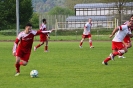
87 33
43 37
127 40
22 46
118 46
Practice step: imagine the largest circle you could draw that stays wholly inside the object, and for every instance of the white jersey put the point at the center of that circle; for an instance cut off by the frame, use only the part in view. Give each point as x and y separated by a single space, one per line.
122 32
87 28
43 27
126 22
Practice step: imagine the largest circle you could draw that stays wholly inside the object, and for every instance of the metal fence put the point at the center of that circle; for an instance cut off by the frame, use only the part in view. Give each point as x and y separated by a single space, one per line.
60 22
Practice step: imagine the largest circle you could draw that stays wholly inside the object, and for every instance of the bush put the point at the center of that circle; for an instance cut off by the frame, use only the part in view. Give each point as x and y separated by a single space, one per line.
8 32
65 32
80 32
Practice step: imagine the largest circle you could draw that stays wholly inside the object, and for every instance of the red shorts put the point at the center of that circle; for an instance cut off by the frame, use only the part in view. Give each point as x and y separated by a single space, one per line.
117 45
43 37
23 55
86 36
127 39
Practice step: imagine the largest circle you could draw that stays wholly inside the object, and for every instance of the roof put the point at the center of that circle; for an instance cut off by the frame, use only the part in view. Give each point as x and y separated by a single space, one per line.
85 18
100 5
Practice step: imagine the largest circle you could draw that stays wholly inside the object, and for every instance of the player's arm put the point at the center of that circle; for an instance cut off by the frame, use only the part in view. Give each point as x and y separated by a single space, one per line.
85 28
114 31
40 32
48 36
15 46
130 35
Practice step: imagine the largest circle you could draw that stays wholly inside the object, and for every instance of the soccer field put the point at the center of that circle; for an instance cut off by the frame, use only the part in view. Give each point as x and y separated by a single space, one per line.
67 66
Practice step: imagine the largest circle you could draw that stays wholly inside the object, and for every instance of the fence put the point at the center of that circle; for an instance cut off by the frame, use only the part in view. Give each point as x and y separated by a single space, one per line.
73 30
59 22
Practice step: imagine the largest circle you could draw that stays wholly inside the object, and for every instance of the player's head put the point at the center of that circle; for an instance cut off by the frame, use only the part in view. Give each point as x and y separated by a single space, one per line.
131 17
28 28
130 23
44 21
89 20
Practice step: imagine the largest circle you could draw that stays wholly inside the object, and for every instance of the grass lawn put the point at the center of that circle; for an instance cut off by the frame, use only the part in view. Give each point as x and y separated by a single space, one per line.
67 66
60 38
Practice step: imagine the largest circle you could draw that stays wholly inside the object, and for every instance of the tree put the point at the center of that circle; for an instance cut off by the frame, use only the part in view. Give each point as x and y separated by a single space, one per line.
35 20
120 5
8 12
71 3
26 11
60 11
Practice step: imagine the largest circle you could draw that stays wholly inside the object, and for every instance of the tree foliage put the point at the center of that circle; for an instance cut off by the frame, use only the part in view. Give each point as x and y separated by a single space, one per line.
35 20
8 12
120 5
60 11
42 6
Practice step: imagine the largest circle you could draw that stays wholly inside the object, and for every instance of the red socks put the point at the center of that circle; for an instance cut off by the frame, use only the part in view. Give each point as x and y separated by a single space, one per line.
38 46
46 48
81 43
107 59
17 68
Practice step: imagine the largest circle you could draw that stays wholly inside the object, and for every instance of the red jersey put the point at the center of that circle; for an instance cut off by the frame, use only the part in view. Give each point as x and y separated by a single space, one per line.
24 41
43 37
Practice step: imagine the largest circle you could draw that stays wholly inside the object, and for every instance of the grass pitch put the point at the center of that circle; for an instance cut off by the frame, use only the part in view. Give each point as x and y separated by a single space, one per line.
67 66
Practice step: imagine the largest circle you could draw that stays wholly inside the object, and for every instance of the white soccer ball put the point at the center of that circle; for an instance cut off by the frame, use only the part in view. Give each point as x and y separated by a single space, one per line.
34 73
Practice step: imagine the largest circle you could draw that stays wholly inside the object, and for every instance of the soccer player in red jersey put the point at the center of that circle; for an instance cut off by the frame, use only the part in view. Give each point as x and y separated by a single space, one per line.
22 46
127 40
43 37
118 46
87 33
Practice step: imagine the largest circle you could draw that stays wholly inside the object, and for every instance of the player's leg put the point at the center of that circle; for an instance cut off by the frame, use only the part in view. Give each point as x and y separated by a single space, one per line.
90 41
118 49
112 55
17 66
108 58
81 42
41 43
23 63
25 59
46 46
128 44
120 52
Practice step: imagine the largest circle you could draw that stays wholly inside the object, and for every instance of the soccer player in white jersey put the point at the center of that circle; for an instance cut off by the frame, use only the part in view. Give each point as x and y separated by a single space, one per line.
127 40
43 37
118 46
22 46
87 33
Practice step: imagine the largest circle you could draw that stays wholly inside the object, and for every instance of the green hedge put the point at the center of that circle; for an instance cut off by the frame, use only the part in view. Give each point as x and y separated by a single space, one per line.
65 32
80 31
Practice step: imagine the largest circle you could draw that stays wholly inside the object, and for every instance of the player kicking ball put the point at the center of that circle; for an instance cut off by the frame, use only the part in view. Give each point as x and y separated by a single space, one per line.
22 46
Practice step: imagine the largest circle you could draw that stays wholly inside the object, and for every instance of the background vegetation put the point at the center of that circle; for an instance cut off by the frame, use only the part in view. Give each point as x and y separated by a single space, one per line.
8 13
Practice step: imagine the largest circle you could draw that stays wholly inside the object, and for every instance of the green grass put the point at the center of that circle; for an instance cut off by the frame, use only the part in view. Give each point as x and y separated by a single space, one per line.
60 38
67 66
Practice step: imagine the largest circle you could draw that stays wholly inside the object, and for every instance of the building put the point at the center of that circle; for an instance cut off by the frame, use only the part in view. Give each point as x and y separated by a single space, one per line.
102 14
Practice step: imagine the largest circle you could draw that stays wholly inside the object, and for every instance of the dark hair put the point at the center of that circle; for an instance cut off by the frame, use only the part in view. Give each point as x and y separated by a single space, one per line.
43 20
28 24
131 15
